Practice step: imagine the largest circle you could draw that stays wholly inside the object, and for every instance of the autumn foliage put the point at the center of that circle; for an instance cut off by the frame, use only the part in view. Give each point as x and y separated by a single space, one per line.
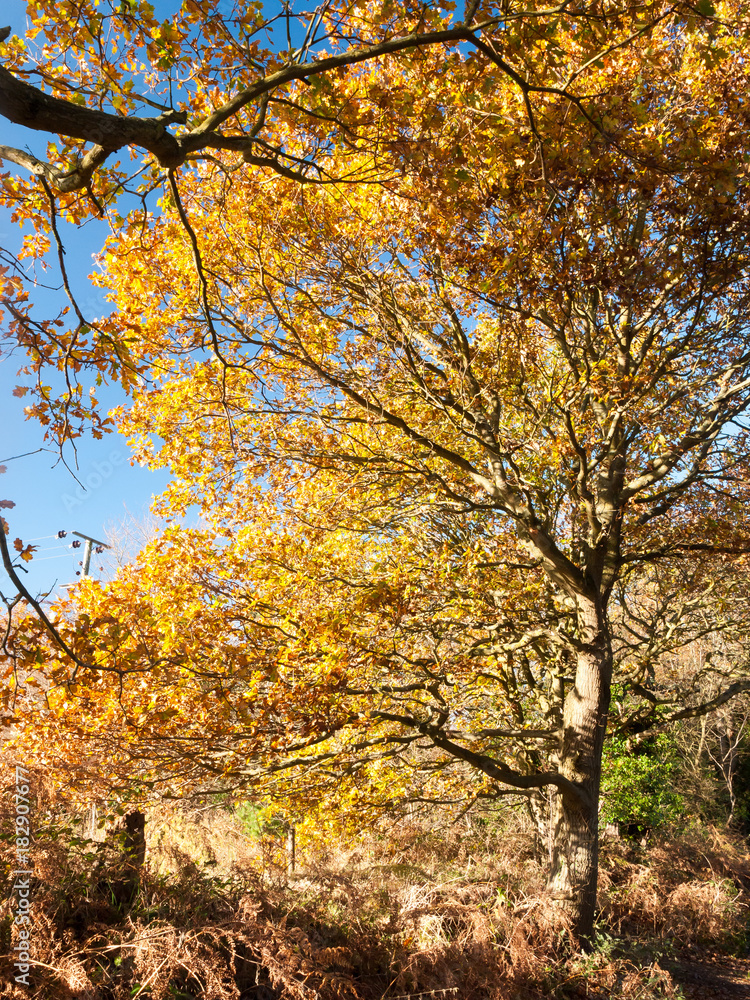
441 319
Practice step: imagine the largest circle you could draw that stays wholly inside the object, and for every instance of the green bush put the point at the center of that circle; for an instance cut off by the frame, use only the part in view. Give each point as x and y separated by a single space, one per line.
259 821
638 783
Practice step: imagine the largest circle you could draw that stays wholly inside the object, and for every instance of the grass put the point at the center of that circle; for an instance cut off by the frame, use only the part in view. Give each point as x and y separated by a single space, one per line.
464 913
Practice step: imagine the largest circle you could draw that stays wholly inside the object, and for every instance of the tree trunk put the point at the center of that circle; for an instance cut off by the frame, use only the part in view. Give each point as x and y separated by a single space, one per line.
128 837
575 818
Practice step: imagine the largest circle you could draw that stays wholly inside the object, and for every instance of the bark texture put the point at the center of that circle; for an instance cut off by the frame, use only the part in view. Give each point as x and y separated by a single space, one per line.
575 819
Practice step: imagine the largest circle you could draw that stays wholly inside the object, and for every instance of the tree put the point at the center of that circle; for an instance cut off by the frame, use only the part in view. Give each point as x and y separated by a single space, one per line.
237 88
487 281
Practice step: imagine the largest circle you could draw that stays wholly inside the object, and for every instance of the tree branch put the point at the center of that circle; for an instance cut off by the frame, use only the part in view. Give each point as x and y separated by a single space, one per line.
487 765
28 106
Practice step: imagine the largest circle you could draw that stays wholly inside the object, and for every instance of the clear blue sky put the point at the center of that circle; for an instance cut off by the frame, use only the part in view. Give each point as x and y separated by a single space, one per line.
47 497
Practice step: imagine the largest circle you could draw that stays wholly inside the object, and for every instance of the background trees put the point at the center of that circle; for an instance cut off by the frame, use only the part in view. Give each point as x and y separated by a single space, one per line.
457 367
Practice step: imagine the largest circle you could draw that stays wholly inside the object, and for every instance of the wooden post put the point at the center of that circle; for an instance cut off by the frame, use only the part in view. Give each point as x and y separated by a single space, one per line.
128 836
291 846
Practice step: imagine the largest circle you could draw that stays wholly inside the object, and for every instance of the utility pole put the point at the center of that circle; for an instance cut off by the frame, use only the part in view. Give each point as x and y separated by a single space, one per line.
90 543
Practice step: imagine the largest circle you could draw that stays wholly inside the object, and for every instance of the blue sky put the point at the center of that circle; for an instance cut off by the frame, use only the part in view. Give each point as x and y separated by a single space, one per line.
47 496
103 488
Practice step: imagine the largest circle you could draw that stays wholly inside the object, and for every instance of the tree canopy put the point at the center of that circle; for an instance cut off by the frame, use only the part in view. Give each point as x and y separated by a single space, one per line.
444 325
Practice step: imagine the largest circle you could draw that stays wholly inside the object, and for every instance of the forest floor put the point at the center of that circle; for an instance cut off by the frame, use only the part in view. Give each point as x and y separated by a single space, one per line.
718 977
407 912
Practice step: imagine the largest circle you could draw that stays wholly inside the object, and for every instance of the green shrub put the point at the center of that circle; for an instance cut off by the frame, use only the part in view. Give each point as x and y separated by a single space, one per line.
638 783
259 821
